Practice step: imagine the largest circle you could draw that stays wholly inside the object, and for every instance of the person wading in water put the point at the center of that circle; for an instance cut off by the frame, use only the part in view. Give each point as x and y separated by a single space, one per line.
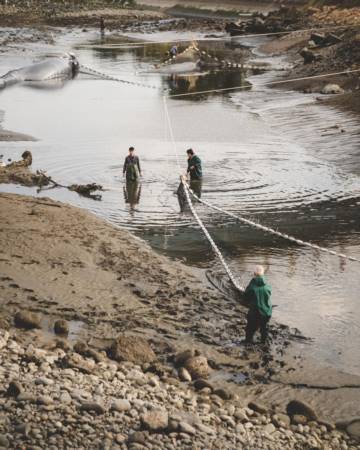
258 295
194 170
132 166
194 166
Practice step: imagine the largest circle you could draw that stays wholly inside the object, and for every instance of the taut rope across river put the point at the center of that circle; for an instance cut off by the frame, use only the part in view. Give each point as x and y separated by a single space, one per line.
189 193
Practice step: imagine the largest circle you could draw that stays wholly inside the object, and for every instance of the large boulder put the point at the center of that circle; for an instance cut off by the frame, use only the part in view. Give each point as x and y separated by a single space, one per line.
155 420
27 320
297 407
198 367
133 349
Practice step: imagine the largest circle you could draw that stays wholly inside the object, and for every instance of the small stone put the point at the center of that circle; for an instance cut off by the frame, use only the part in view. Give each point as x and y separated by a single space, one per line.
198 367
23 428
297 407
14 389
26 397
61 327
120 438
81 348
281 420
298 419
240 429
93 407
65 398
182 357
120 405
138 437
258 407
44 400
205 428
27 320
44 381
269 428
200 384
155 420
241 415
186 428
4 442
184 374
173 426
131 348
223 393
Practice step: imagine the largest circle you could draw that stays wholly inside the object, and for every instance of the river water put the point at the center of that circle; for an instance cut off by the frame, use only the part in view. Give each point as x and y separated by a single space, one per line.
268 154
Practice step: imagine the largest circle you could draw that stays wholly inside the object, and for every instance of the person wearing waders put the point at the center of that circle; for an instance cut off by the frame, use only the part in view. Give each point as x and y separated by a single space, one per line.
132 166
258 295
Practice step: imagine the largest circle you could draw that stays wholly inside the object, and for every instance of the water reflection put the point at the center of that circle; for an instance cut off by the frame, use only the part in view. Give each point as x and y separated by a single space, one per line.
182 84
132 194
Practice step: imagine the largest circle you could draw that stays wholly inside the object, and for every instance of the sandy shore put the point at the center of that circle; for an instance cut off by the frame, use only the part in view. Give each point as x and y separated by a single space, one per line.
60 262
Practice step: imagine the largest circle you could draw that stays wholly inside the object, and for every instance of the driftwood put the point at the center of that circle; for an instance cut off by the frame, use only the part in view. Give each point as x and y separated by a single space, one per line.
19 172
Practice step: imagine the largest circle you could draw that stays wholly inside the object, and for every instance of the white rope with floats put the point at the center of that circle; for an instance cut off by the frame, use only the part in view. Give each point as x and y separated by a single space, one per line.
208 236
192 209
269 83
91 71
249 222
269 230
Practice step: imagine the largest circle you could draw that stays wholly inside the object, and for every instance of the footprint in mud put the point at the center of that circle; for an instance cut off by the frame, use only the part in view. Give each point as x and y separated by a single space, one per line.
28 290
6 279
66 309
32 261
48 302
14 285
33 298
16 256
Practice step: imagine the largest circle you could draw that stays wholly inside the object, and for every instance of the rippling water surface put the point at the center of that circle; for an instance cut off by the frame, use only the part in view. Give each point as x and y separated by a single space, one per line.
268 154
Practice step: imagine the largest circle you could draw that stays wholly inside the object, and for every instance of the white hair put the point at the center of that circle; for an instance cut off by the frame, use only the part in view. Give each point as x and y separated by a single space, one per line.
259 271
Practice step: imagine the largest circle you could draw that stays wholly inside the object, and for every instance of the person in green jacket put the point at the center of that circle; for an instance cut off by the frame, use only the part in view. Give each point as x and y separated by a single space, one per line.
194 165
258 295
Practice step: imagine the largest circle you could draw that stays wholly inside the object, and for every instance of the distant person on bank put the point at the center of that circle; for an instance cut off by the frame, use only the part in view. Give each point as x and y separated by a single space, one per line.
131 167
102 25
258 295
173 51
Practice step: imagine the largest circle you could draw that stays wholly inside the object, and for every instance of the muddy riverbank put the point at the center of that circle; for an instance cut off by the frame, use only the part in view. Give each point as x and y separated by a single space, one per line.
62 263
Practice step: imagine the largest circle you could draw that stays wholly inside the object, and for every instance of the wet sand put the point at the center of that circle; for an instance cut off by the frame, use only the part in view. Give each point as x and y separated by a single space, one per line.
64 263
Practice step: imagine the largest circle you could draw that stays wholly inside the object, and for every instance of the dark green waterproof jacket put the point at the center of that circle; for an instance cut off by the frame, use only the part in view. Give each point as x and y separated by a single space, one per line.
258 294
196 172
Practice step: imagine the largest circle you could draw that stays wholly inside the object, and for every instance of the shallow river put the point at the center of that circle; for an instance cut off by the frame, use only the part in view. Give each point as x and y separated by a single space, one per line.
267 154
